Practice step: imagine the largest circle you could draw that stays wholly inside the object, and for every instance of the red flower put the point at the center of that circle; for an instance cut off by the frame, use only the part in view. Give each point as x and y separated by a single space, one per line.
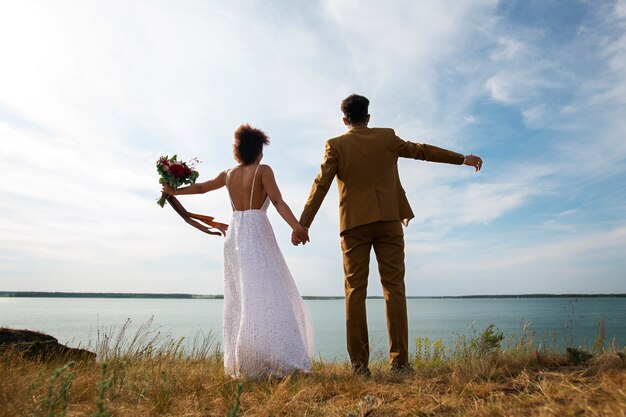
187 171
177 170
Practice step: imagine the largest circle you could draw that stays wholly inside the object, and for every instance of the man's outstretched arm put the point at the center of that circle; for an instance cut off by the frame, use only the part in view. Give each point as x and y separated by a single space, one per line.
320 187
432 153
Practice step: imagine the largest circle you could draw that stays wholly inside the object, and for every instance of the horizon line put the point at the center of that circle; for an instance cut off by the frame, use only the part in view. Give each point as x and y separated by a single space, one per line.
77 294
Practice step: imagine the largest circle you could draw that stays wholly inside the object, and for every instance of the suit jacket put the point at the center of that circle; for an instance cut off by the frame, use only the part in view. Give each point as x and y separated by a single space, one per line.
365 161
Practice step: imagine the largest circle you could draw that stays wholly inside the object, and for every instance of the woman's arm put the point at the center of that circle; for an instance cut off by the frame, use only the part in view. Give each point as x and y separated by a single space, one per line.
272 190
198 188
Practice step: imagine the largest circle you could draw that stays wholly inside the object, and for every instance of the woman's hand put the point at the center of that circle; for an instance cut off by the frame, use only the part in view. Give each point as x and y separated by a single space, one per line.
167 189
300 235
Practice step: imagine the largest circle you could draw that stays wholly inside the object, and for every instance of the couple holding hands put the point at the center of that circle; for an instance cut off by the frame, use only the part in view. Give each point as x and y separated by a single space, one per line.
267 328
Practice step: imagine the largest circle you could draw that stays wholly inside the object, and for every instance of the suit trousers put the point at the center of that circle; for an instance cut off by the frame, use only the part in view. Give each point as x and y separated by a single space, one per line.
387 239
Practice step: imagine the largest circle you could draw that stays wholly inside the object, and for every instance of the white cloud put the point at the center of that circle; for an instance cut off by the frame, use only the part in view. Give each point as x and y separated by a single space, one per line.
508 49
599 245
568 213
518 86
571 264
620 8
92 92
400 55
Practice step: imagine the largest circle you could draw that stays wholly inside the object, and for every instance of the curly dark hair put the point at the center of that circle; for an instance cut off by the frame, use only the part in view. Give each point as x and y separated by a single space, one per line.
354 108
248 144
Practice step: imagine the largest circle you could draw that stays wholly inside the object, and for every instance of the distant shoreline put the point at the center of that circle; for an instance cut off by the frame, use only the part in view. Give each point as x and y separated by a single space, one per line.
44 294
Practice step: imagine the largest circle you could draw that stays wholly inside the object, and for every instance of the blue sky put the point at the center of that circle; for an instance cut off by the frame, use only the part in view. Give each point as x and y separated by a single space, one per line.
91 93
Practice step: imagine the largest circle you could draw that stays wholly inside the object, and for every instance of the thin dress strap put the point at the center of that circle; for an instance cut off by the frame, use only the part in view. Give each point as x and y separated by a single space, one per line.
253 180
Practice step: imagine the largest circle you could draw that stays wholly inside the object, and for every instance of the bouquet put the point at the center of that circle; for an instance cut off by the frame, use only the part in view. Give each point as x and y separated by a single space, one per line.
176 173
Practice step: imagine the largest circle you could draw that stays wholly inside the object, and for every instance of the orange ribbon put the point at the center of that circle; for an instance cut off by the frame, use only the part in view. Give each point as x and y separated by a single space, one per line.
189 218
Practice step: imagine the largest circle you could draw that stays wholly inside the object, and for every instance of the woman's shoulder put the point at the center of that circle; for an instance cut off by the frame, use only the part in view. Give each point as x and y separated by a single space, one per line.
226 173
265 168
233 170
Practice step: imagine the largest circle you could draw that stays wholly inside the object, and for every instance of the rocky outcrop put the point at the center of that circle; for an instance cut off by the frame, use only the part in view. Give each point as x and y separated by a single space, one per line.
39 346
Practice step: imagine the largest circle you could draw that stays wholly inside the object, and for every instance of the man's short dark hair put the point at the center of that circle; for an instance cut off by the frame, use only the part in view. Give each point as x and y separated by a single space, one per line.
354 108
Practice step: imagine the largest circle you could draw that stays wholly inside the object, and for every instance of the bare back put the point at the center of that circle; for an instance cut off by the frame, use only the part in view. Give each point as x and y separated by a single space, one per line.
245 187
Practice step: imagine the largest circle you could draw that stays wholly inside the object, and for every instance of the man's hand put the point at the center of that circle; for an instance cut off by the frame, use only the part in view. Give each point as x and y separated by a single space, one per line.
300 235
474 161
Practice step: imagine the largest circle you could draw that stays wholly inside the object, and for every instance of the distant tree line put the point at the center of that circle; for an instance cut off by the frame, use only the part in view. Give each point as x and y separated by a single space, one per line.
102 295
43 294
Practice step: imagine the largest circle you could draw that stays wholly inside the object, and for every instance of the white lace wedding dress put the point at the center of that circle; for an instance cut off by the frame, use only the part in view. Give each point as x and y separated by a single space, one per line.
267 327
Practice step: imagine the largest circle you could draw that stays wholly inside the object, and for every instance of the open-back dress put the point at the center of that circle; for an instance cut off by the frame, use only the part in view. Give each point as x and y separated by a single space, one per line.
267 327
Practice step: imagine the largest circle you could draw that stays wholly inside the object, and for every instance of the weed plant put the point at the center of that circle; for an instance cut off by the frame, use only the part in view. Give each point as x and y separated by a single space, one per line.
482 374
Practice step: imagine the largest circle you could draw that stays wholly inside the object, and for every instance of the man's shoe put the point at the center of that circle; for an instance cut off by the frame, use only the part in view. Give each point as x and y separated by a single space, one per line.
362 370
402 369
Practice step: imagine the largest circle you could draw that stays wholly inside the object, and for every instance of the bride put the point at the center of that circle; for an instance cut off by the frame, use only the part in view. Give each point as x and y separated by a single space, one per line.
267 328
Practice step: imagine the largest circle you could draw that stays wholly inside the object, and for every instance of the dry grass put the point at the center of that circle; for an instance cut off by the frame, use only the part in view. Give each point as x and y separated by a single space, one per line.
147 377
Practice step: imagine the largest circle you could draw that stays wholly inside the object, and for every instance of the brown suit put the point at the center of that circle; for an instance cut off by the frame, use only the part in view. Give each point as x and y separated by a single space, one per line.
372 205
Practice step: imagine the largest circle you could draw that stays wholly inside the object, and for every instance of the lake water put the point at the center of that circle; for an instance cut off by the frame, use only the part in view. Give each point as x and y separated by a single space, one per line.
559 321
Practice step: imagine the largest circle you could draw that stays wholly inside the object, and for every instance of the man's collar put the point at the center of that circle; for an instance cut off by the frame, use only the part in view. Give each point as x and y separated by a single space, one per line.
357 127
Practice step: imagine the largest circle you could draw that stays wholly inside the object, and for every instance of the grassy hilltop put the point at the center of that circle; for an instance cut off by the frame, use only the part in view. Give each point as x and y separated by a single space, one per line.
483 375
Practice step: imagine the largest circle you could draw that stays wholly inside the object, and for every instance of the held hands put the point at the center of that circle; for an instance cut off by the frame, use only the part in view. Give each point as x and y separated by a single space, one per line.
474 161
300 235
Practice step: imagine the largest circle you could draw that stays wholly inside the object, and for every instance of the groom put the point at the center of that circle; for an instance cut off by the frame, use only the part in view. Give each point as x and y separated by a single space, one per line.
372 208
